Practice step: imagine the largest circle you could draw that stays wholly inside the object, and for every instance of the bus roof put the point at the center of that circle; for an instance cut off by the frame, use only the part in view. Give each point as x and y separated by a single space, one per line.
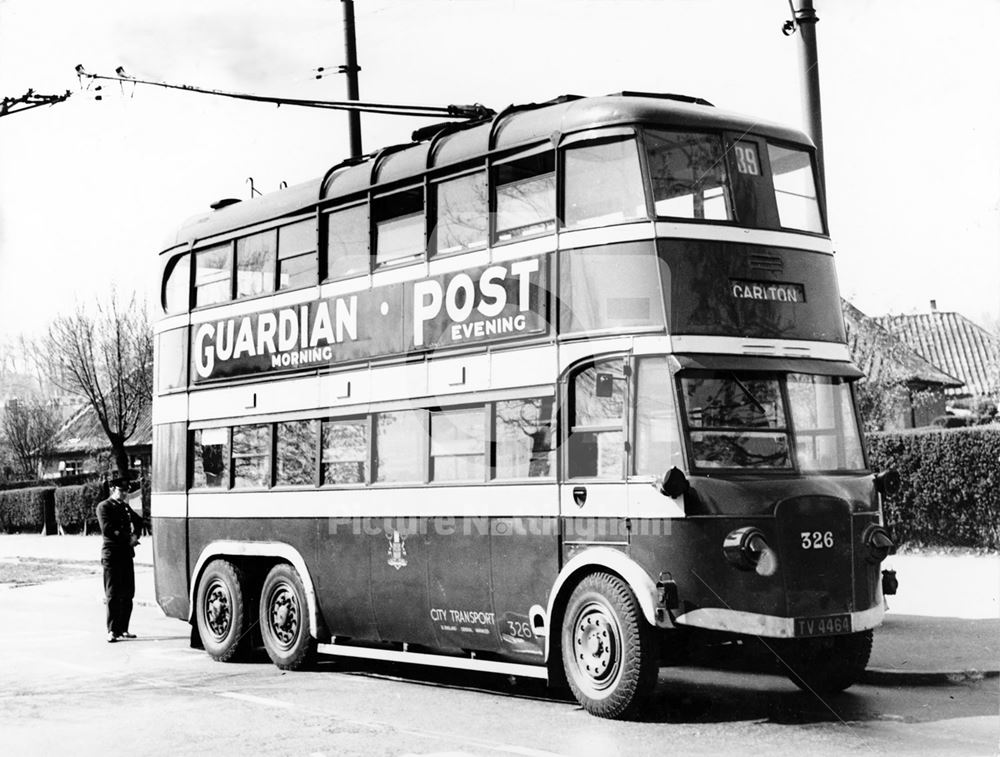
452 144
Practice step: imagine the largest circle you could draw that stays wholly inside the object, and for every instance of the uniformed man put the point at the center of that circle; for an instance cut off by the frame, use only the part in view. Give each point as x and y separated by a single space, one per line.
120 526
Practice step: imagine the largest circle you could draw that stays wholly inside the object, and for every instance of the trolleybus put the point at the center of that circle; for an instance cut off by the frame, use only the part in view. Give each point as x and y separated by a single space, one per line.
550 394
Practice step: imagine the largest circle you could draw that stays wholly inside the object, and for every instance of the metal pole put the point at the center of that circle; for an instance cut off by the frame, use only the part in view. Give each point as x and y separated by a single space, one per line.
809 57
351 69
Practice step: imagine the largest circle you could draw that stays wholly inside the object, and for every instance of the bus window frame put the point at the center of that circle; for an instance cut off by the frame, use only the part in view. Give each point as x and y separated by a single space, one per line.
794 469
230 242
383 193
167 269
644 133
486 410
314 482
433 182
494 163
568 428
368 421
315 218
817 185
323 240
425 448
591 138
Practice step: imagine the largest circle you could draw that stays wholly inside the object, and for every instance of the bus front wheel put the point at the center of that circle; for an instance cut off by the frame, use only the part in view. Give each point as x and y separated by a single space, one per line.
827 665
608 649
284 620
221 611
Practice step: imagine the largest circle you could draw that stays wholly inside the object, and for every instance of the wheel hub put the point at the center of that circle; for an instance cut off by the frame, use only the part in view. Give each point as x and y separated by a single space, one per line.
594 642
284 616
217 611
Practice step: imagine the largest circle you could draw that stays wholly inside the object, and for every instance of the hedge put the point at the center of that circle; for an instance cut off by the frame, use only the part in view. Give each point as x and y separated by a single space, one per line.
76 506
24 509
950 494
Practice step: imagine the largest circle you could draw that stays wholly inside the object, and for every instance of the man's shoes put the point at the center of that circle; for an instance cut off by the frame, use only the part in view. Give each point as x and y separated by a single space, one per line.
112 638
126 635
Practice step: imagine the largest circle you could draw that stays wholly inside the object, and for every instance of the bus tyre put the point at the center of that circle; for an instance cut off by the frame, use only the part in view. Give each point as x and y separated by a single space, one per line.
222 616
828 664
284 619
608 649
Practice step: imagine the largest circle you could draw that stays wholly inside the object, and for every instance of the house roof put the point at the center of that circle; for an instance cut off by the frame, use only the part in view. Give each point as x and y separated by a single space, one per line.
955 343
883 357
83 433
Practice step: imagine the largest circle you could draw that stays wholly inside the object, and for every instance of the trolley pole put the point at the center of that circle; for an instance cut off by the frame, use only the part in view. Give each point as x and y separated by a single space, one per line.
807 19
351 69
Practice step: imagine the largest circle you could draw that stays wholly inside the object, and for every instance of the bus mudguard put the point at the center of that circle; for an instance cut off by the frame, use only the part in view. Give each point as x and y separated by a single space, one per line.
617 562
222 549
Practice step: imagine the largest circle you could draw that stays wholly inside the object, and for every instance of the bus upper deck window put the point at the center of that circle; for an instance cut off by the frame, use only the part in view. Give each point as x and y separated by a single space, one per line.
795 189
688 175
603 183
461 215
255 264
347 242
176 283
213 275
526 196
297 255
399 225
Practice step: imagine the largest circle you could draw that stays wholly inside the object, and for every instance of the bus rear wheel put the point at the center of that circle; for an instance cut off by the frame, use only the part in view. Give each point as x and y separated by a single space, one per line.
608 649
284 620
222 615
828 664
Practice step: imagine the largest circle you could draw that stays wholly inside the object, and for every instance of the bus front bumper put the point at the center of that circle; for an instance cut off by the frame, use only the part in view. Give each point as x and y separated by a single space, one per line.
774 627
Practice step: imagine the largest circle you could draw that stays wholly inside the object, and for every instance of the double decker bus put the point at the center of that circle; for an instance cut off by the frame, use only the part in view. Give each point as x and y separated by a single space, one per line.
555 393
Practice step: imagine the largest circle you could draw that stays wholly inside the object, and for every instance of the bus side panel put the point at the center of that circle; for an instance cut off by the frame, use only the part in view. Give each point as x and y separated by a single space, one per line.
400 558
299 533
343 577
525 563
867 575
691 552
461 608
170 557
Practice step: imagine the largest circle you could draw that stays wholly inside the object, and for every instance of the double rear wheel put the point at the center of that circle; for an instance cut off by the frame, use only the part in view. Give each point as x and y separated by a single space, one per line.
284 619
224 617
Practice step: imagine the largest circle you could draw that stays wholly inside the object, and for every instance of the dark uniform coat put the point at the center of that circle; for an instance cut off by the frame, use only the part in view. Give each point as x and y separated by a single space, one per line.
118 523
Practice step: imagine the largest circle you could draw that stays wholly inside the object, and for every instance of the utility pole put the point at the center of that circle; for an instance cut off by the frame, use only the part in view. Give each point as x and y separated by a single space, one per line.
351 69
806 20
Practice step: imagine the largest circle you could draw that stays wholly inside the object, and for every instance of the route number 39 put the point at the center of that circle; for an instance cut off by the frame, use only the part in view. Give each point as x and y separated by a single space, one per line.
817 539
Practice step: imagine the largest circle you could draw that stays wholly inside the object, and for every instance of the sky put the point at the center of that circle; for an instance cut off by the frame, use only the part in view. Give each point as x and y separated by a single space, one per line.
90 189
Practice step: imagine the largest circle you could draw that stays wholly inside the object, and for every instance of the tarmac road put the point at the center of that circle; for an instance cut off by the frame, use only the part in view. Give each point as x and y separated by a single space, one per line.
66 691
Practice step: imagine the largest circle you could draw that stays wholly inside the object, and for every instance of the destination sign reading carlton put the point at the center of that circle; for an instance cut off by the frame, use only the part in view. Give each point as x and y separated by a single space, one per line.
486 304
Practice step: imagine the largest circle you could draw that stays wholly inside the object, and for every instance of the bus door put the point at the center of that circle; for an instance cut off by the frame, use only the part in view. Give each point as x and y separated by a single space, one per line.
655 442
593 498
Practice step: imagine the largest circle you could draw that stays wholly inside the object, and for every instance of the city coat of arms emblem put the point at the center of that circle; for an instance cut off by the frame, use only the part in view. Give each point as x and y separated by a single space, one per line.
397 549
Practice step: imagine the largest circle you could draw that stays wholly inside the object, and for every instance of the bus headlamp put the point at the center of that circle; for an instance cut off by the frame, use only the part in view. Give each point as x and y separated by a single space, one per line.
888 482
878 543
747 549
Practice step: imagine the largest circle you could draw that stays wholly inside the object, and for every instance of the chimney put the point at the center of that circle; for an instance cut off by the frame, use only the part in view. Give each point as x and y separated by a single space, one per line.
933 306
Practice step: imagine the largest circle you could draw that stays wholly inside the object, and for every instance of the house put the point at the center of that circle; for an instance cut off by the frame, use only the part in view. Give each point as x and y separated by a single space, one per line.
82 446
957 345
917 387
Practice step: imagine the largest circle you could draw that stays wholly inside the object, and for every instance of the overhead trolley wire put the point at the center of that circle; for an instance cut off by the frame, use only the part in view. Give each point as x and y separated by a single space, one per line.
475 111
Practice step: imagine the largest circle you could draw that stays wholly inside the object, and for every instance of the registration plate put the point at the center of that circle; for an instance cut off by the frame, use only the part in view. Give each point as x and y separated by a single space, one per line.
825 626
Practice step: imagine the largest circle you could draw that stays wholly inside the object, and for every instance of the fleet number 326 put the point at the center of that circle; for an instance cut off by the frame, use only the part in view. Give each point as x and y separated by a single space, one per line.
817 539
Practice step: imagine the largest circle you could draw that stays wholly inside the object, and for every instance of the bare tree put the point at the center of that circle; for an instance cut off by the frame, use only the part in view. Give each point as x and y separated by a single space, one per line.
106 357
29 428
